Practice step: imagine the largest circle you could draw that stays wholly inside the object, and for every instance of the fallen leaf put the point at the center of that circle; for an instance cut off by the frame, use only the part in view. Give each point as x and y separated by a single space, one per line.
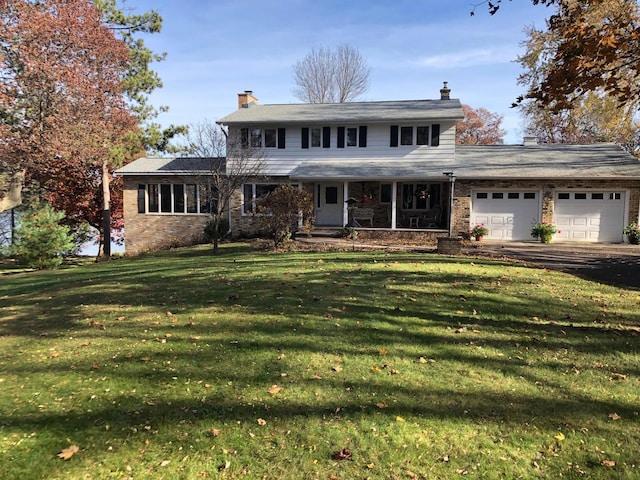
67 453
410 474
344 454
224 466
400 419
215 432
336 368
375 369
164 463
262 422
382 351
608 463
560 437
274 389
614 416
422 360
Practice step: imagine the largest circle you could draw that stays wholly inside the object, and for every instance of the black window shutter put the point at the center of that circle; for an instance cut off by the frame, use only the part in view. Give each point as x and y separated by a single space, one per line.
305 138
393 139
326 137
244 137
362 136
340 137
435 134
281 138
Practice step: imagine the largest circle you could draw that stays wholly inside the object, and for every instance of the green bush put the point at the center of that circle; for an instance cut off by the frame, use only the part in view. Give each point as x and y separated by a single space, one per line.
41 242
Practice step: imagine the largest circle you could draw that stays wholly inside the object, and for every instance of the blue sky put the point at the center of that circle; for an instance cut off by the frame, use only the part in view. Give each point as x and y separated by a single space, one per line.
218 48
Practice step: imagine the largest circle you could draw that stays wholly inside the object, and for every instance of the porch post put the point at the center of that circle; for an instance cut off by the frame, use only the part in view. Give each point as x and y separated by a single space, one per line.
394 213
345 205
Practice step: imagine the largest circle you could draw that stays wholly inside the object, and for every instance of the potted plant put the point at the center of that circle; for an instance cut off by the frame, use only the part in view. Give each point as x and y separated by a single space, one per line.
632 231
544 231
479 231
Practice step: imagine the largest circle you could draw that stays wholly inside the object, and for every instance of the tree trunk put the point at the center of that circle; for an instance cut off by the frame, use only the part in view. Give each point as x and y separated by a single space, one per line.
216 236
106 211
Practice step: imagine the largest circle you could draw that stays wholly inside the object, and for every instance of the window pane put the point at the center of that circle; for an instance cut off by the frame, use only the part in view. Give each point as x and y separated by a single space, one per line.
406 136
208 199
514 195
529 195
497 195
422 136
270 137
178 198
192 200
597 196
315 137
407 196
385 193
482 195
265 189
247 191
581 196
563 196
165 198
422 196
141 198
153 198
256 137
352 137
331 195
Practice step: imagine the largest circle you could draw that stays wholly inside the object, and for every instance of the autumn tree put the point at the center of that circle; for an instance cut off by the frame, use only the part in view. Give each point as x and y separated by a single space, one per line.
595 116
328 75
595 50
65 118
479 127
222 162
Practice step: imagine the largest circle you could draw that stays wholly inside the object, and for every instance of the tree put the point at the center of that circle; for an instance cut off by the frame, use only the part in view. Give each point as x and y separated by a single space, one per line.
593 117
479 127
282 209
595 50
41 240
223 162
65 121
331 76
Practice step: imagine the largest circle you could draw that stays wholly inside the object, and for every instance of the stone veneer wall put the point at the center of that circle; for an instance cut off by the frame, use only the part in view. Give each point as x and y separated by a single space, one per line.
462 195
156 231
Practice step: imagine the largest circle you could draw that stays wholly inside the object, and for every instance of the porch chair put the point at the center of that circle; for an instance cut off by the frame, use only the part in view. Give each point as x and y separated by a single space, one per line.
432 217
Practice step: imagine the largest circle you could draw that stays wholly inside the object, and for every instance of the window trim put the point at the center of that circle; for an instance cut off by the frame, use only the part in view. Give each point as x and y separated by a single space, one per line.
152 190
396 133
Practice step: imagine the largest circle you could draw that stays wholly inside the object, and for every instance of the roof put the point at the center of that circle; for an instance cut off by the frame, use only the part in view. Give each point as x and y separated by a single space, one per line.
605 160
170 166
352 112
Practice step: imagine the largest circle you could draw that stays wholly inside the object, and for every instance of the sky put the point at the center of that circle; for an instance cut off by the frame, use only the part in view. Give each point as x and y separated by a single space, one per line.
219 48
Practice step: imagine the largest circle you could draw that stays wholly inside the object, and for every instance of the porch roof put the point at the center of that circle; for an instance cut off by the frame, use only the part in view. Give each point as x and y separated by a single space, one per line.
604 161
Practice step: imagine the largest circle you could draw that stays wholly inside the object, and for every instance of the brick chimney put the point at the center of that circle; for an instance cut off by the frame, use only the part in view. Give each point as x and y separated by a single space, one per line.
444 92
245 99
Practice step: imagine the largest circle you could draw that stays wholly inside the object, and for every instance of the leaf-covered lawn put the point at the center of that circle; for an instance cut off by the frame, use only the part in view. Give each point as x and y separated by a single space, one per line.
331 365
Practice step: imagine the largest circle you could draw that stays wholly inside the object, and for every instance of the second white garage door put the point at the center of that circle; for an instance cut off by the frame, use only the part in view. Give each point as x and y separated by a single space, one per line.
589 216
508 214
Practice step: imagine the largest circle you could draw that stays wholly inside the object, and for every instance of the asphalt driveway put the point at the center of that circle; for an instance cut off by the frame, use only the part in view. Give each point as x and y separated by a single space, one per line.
617 264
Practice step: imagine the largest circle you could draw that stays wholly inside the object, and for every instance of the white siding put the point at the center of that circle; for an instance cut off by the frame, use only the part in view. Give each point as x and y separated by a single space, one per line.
283 161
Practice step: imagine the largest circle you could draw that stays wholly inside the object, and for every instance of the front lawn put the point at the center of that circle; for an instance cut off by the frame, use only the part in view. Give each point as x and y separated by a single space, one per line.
330 365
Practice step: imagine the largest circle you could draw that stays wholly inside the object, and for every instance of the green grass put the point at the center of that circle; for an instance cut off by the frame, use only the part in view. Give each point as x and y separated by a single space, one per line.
423 366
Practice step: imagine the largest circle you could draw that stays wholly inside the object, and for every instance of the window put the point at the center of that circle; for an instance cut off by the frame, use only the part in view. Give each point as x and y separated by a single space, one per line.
563 196
497 195
482 195
175 198
331 195
406 136
581 196
352 137
410 135
316 135
422 135
420 196
252 192
385 192
513 195
256 137
270 138
597 196
615 196
529 195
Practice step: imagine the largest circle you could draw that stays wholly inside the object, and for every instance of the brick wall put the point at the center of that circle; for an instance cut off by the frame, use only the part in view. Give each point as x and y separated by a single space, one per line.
154 231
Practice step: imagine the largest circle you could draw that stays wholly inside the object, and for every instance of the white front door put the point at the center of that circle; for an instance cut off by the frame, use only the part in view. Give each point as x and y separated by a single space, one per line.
329 204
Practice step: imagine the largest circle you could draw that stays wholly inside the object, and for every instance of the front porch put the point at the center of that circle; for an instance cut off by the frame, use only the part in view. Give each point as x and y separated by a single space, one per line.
407 206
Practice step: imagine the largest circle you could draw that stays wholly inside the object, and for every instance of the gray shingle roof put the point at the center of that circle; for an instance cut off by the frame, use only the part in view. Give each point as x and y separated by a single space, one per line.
605 160
354 112
169 166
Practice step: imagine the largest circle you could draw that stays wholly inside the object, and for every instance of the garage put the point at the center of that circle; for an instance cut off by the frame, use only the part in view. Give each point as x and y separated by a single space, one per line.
508 214
588 216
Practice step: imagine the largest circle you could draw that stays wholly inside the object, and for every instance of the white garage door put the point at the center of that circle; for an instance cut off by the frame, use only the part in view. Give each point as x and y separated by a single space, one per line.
589 216
508 214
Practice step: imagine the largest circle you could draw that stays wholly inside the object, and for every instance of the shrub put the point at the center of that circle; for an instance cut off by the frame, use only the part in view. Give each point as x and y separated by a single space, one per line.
632 231
280 211
544 231
41 241
210 228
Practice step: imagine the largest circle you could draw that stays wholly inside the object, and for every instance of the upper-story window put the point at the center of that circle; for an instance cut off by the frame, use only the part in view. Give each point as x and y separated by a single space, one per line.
352 136
316 137
409 135
267 137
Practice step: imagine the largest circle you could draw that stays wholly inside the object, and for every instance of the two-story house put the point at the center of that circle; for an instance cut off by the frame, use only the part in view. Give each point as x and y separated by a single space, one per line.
394 168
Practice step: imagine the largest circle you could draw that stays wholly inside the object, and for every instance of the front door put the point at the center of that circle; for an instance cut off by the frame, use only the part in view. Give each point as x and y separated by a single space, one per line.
329 204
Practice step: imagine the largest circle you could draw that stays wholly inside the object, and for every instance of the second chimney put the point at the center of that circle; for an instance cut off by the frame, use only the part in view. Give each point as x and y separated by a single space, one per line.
444 92
245 99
